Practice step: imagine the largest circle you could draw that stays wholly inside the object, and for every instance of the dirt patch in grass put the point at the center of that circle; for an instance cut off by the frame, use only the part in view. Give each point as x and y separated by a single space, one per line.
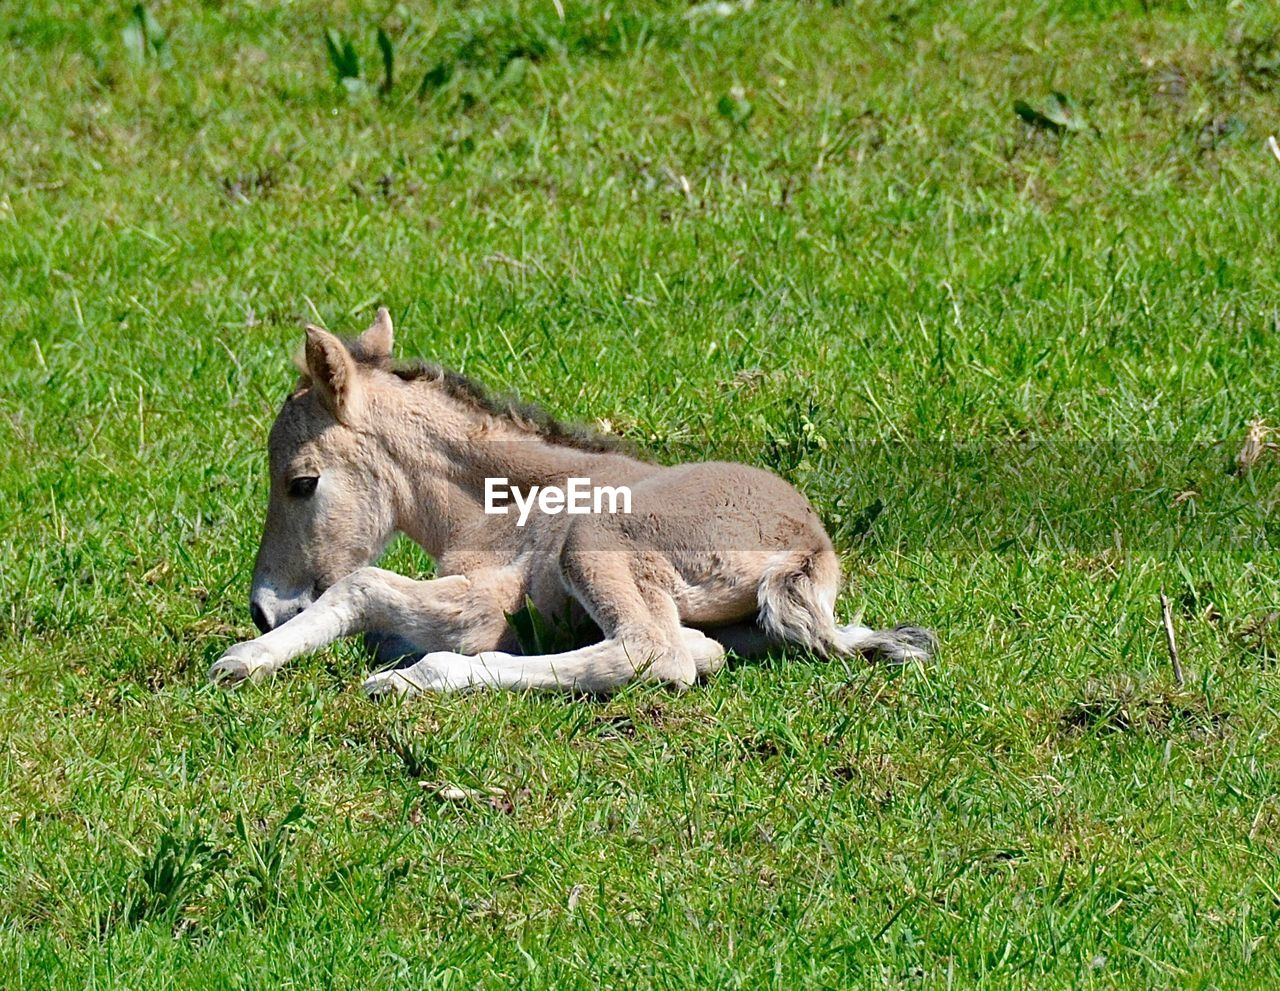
1259 636
249 186
1124 705
627 725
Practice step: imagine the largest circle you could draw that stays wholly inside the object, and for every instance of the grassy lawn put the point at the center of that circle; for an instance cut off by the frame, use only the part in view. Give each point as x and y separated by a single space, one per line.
1011 357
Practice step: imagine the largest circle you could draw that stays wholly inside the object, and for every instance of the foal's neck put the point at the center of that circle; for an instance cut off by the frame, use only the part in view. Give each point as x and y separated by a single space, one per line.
443 450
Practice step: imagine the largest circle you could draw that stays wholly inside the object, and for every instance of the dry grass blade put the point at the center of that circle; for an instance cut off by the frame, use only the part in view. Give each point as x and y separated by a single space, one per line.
1255 445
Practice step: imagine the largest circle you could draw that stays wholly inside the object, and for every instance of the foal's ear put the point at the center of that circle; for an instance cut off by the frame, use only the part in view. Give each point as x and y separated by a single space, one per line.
333 374
376 341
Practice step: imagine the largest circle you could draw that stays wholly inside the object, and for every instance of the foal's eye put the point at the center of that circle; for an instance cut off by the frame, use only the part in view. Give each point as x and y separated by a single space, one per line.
303 486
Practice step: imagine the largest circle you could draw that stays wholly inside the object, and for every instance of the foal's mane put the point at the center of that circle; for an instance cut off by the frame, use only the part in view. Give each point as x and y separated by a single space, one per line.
527 416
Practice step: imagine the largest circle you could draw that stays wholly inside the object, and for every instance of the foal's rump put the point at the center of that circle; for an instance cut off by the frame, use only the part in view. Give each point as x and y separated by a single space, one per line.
742 544
746 546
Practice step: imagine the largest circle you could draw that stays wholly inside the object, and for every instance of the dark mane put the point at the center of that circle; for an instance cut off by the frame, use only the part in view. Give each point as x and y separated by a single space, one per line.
528 416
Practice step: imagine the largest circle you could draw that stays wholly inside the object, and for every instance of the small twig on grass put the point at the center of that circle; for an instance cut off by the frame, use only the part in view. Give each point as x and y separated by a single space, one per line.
1169 639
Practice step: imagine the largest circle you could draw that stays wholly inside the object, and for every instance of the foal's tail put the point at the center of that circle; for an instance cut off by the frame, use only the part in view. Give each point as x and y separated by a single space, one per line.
797 605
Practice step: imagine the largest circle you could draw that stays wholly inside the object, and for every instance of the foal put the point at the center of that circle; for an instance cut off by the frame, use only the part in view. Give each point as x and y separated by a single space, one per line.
711 556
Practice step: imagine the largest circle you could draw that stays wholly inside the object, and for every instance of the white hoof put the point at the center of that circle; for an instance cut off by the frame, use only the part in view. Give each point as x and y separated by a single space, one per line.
386 684
708 654
243 662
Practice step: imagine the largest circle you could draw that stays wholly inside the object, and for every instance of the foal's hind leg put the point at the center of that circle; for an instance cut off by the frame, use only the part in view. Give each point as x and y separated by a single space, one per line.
595 670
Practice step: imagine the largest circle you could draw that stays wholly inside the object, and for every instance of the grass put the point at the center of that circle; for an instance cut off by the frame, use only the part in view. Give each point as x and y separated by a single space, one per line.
1010 356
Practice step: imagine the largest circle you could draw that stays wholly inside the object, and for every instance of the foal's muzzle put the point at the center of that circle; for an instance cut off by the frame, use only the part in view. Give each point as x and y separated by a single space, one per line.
269 610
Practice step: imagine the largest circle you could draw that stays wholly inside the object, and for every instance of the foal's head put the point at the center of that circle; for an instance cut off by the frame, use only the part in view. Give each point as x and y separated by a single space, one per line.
330 509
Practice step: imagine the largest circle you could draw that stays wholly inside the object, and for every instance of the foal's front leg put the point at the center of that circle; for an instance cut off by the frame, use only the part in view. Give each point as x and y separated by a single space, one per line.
452 613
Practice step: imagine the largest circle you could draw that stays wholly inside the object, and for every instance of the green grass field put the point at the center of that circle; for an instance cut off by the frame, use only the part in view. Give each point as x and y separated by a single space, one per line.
1010 357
